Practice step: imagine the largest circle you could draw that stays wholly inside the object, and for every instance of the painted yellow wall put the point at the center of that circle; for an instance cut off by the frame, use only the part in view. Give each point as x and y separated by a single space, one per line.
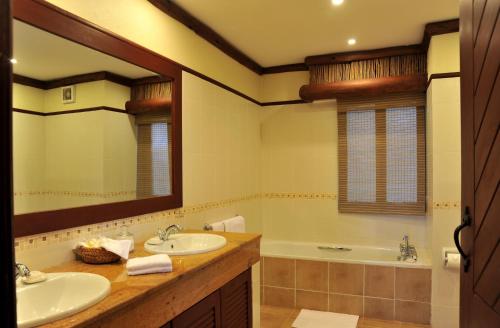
282 86
443 55
89 94
57 158
444 175
143 23
299 155
29 98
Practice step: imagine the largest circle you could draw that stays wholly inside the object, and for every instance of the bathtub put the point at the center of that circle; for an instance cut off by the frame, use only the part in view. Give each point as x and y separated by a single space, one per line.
341 253
353 279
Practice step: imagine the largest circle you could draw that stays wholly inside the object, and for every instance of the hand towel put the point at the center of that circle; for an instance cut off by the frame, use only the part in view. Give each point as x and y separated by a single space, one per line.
158 261
218 226
150 270
236 224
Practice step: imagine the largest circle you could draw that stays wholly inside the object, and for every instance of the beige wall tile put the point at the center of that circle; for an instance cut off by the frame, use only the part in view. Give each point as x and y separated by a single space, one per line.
312 275
279 296
311 300
379 281
416 312
379 308
346 278
413 284
348 304
279 272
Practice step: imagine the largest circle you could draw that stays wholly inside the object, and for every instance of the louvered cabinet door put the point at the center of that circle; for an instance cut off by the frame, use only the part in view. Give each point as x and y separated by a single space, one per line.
205 314
236 302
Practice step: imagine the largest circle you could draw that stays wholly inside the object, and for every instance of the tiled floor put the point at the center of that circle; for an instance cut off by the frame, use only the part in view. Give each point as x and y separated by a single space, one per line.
279 317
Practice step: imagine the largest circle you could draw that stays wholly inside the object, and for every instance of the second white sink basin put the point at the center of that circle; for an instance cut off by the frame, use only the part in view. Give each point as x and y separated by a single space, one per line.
185 244
61 295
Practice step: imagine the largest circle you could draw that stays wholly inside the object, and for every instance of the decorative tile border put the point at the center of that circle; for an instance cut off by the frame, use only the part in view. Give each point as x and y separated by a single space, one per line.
75 193
300 195
83 232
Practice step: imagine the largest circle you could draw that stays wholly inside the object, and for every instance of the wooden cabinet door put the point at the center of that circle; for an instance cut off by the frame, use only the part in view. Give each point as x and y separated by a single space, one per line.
236 302
480 102
204 314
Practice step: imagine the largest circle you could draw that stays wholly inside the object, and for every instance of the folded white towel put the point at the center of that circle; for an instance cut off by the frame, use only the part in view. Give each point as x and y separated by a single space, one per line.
218 226
236 224
118 247
158 261
150 270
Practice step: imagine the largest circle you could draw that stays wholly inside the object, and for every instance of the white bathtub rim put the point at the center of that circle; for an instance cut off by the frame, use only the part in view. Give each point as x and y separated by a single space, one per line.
423 261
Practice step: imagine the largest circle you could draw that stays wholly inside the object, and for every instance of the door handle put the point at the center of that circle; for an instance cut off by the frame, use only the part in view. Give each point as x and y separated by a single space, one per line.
466 222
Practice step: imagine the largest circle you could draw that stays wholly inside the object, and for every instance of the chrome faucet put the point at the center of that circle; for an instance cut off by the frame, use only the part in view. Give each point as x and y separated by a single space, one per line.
22 270
407 250
164 234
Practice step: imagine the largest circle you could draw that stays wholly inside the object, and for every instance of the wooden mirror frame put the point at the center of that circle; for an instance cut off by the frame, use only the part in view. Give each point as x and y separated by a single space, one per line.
52 19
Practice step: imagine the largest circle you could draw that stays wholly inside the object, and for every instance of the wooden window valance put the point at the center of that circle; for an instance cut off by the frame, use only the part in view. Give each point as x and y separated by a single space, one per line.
382 155
369 77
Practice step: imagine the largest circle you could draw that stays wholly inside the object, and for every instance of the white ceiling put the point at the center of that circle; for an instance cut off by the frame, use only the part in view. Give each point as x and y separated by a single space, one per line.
277 32
44 56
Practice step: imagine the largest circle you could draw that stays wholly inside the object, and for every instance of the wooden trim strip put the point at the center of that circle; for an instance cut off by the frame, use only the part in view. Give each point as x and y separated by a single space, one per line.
74 79
219 84
441 76
28 81
284 102
207 33
73 111
89 77
437 28
285 68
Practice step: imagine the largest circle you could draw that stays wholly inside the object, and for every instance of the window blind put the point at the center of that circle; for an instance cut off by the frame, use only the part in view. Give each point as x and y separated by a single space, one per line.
382 154
154 150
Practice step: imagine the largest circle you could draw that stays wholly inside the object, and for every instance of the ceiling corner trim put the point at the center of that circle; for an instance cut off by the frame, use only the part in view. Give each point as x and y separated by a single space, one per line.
207 33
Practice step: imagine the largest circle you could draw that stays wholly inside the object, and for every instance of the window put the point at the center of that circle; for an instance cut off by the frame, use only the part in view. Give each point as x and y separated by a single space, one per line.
153 156
382 154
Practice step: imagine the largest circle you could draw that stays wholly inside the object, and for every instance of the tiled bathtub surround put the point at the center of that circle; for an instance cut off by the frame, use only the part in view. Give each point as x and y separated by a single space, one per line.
381 292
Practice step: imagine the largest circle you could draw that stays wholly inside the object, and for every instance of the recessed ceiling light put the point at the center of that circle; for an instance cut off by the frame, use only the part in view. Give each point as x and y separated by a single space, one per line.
351 41
13 61
337 2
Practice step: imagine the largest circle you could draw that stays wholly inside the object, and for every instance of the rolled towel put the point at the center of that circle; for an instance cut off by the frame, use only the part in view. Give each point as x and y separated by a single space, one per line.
149 264
236 224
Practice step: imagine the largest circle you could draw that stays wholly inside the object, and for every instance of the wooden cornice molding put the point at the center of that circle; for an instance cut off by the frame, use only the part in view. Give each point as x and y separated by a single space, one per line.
83 78
436 76
72 111
207 33
437 28
285 68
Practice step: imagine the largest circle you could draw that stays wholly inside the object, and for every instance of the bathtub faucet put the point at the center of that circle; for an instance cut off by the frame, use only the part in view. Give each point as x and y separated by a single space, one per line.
407 250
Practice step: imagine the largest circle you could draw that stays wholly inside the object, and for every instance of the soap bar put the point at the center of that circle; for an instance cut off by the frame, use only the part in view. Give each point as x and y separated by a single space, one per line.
34 277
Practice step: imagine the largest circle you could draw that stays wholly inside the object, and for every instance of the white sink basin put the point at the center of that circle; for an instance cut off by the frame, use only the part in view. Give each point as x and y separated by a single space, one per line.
185 244
61 295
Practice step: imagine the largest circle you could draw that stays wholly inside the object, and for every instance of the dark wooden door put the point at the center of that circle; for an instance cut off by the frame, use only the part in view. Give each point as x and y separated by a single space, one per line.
480 102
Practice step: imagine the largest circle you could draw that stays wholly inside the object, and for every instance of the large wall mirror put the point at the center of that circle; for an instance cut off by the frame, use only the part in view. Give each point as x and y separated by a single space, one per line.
96 136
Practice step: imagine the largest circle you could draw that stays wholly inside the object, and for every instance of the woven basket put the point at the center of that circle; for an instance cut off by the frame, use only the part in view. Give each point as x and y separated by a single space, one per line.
95 255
